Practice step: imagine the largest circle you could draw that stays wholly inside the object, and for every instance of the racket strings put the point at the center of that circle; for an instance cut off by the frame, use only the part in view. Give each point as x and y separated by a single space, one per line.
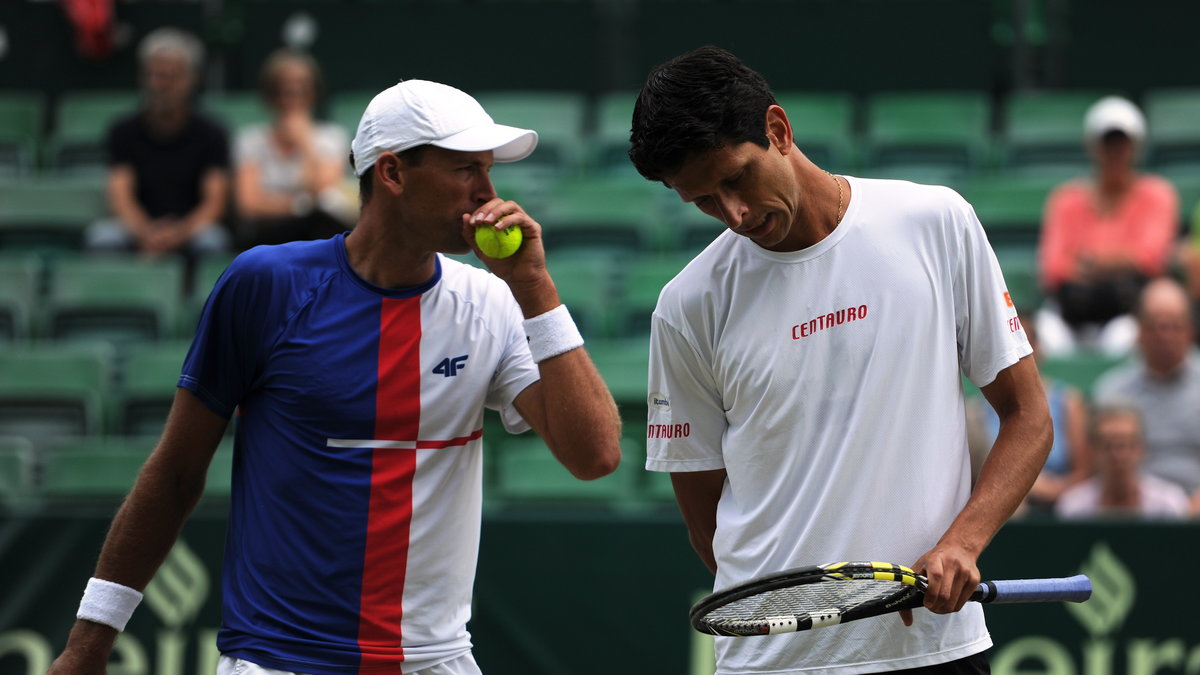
804 600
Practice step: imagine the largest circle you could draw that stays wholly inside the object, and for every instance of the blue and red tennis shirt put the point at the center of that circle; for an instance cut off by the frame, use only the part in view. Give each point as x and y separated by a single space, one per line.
357 470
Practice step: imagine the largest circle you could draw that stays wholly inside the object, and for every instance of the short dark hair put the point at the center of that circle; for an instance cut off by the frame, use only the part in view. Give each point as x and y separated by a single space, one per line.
411 157
695 103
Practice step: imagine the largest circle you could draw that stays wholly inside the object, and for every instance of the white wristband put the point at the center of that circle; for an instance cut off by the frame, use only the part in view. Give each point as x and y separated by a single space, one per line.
108 603
552 333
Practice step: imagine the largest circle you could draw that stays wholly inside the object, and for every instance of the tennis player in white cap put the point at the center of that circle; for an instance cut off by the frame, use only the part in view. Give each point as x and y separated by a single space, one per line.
361 366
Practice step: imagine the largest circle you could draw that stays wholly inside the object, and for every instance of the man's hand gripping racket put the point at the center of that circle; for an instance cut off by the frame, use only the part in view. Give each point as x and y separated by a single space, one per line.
825 595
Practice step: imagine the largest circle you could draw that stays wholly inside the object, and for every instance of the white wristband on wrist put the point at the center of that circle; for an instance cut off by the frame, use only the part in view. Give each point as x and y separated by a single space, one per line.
552 333
108 603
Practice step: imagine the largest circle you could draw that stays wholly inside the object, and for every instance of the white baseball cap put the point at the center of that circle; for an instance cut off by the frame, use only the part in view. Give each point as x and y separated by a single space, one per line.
1113 113
419 112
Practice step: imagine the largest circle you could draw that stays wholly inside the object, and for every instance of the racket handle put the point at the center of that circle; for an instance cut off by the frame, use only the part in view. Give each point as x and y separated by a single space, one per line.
1068 589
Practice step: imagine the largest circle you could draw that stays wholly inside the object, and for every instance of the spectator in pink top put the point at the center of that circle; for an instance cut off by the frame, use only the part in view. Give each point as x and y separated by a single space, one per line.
1104 237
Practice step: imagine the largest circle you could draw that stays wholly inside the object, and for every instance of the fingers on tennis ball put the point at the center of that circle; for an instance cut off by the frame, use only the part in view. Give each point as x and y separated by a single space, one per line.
498 243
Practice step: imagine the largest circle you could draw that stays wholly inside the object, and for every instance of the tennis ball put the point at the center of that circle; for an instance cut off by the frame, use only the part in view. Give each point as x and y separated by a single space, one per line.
498 243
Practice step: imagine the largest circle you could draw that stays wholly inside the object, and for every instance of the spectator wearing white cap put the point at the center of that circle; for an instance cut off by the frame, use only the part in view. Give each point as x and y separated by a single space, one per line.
360 367
1104 236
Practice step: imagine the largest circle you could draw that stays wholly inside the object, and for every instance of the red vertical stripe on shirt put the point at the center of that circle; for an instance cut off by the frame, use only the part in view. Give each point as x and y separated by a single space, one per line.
397 417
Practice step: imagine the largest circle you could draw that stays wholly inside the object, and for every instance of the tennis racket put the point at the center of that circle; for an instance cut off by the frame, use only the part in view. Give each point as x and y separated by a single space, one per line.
825 595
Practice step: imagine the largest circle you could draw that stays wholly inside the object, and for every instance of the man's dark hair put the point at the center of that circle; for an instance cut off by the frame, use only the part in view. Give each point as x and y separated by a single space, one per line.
694 103
411 157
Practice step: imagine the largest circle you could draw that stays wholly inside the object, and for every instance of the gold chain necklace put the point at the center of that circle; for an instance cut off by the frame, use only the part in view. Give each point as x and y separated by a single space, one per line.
839 209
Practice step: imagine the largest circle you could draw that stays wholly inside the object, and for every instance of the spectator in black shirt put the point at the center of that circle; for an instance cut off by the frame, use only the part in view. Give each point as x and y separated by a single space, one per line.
168 179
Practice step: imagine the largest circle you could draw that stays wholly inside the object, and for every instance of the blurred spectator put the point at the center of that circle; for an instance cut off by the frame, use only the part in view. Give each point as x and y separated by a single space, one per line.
1189 262
168 178
290 173
1164 384
1070 459
1120 487
1104 237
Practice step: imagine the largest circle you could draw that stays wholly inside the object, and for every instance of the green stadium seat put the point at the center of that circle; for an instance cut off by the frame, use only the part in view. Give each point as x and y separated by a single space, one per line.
1046 128
93 468
346 108
1020 267
236 110
81 124
608 145
55 389
149 374
21 117
49 212
1010 207
18 470
114 299
938 129
623 363
1173 121
644 279
557 116
20 286
527 472
691 229
587 285
822 126
1081 369
613 216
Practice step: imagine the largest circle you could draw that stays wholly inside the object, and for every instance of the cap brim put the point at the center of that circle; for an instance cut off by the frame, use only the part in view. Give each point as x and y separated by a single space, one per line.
508 144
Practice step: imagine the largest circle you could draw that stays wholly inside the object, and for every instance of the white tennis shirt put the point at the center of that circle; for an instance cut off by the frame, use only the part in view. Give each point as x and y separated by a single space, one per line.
827 383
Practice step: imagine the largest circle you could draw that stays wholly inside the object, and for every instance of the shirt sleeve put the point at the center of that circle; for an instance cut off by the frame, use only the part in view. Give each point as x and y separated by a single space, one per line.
516 370
990 336
233 338
686 419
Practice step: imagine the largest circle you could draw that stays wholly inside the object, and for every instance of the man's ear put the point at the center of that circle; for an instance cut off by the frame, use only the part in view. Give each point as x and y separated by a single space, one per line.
779 129
389 173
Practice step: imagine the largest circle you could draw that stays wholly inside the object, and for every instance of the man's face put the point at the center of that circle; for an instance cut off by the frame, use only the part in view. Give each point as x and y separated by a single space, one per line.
752 190
439 189
167 79
1119 445
1165 335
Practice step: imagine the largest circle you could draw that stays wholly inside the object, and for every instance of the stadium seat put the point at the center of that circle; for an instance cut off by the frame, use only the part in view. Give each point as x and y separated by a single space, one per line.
55 390
527 472
557 117
608 145
48 212
21 118
1080 369
149 374
1020 267
18 470
20 285
587 285
823 126
623 364
236 110
644 278
1173 122
81 123
93 468
346 108
605 216
1010 207
948 130
114 299
1045 128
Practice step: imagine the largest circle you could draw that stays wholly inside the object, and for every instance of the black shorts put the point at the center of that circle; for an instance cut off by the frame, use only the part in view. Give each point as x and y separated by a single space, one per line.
975 664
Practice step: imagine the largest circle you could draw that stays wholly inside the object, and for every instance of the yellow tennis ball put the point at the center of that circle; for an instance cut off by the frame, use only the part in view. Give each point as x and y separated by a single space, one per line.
498 243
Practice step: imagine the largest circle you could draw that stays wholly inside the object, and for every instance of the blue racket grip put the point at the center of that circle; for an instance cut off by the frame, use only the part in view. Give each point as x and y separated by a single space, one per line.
1068 589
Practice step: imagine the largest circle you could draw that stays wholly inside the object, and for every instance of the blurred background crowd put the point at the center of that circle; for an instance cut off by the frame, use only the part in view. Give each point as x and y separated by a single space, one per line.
143 144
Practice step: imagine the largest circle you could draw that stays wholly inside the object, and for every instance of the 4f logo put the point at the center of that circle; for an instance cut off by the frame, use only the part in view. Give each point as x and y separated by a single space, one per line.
450 367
